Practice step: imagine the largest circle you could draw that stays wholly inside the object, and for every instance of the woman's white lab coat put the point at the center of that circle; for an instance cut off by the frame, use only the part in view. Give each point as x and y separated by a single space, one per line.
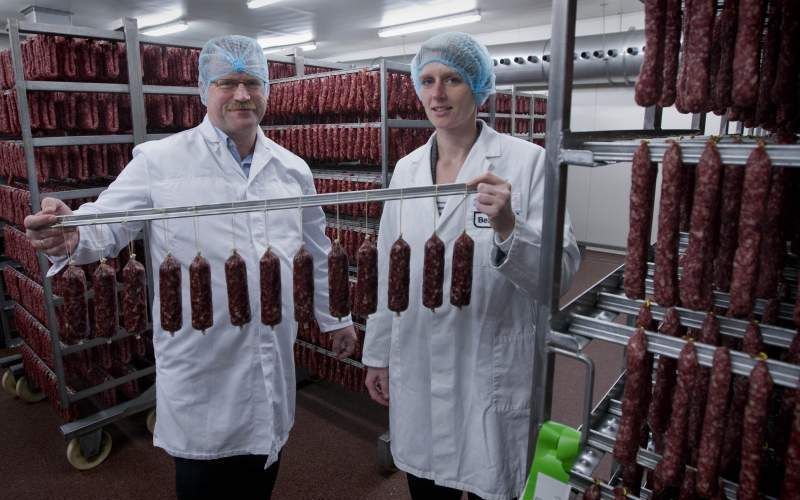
460 380
230 391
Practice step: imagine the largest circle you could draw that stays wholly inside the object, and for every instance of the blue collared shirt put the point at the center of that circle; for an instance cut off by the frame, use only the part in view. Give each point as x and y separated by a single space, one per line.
245 162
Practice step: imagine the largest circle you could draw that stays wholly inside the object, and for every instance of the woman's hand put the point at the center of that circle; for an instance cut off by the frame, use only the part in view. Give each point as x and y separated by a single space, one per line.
494 200
378 384
51 241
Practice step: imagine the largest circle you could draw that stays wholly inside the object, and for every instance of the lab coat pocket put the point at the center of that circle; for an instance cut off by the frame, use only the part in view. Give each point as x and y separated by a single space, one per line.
512 371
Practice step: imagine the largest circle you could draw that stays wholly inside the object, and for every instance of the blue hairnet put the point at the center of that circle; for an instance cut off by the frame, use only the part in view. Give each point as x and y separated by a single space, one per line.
464 54
228 54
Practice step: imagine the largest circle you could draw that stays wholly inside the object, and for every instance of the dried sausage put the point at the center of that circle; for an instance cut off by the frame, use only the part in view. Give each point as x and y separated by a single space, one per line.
732 178
704 207
367 278
169 290
668 469
643 178
709 452
791 478
399 272
765 108
644 319
592 492
648 85
728 19
620 493
784 89
105 300
461 280
303 286
746 57
238 296
752 342
700 18
752 215
671 48
665 279
755 421
629 434
709 335
270 267
338 284
200 292
688 487
74 294
433 273
134 297
771 253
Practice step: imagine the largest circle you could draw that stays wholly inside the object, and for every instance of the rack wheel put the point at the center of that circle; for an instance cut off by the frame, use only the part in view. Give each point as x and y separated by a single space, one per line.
151 420
384 455
26 393
9 383
76 458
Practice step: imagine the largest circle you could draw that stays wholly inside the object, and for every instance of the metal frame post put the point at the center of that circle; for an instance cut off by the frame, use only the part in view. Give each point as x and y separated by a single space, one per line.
384 124
652 117
21 89
699 122
513 109
135 81
492 110
531 117
559 103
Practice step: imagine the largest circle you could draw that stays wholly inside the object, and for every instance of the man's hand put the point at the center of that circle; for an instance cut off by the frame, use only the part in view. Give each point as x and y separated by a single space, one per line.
54 242
377 383
344 341
494 200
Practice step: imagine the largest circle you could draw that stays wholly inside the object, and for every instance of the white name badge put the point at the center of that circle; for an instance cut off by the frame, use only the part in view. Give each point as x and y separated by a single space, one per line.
479 219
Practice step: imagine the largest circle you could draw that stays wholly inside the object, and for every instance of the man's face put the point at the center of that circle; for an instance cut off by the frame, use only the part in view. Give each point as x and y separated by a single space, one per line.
236 103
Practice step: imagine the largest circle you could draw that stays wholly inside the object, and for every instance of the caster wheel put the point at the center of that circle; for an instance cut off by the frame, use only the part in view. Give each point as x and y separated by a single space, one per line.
151 420
27 394
75 455
9 383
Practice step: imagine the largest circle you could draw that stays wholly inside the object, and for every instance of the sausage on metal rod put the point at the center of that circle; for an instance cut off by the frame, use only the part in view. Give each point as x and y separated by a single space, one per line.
592 492
433 273
74 295
200 294
169 288
709 334
728 19
755 422
700 18
270 267
643 178
628 436
303 286
665 278
746 56
671 48
461 281
399 273
710 449
791 477
730 204
105 300
367 278
134 297
238 296
338 283
664 385
648 84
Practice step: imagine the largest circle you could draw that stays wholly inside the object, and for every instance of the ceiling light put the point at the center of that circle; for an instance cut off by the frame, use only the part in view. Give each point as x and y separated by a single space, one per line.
268 42
431 24
307 47
160 18
166 29
424 10
256 4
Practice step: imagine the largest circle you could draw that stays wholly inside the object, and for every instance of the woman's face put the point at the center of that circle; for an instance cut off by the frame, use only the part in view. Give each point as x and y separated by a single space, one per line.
447 98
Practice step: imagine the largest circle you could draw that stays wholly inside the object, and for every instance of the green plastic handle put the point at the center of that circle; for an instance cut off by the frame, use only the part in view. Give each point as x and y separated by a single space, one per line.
556 450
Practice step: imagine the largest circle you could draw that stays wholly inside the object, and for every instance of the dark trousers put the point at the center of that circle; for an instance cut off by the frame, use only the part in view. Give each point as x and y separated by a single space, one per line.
426 489
241 477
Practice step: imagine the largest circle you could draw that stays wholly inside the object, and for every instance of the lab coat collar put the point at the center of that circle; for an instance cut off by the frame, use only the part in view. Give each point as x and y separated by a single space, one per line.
481 158
261 154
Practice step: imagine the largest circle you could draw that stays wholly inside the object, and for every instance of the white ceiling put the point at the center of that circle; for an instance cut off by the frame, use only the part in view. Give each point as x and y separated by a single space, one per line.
339 26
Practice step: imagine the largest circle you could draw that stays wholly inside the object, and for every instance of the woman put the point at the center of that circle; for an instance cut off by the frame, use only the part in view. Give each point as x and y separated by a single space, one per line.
460 378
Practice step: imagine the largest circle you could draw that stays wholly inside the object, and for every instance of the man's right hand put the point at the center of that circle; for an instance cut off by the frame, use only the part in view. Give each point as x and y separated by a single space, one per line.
378 384
55 242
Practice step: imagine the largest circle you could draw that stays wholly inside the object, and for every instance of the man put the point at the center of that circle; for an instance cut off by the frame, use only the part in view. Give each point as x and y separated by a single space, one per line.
225 400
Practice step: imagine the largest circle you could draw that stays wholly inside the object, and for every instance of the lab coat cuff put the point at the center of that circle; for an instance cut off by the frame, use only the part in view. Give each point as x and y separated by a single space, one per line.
328 325
374 361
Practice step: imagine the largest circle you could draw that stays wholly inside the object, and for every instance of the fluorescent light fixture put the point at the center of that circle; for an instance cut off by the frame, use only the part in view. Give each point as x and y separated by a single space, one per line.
256 4
268 42
423 10
431 24
166 29
307 47
160 18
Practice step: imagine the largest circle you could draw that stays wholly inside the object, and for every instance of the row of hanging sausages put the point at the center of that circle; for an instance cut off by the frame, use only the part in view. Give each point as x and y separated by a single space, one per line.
697 420
737 212
82 162
727 63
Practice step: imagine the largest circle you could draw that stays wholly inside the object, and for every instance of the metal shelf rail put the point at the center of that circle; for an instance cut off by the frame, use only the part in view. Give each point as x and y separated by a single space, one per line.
588 317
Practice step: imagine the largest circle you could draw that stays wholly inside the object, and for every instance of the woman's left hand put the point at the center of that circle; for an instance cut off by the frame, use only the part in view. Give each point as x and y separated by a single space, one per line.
494 200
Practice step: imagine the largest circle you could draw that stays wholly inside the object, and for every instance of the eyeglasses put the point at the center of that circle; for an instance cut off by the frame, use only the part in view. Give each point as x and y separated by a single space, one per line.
252 85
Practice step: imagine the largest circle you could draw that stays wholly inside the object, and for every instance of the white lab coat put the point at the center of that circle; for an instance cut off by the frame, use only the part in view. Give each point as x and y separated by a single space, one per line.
230 391
460 380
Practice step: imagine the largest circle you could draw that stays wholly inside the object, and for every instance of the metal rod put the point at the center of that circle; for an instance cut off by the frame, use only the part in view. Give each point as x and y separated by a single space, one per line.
558 118
384 95
322 75
61 29
781 155
135 79
262 205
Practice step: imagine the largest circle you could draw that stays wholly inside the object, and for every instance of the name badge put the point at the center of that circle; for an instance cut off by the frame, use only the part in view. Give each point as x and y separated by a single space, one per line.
479 219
